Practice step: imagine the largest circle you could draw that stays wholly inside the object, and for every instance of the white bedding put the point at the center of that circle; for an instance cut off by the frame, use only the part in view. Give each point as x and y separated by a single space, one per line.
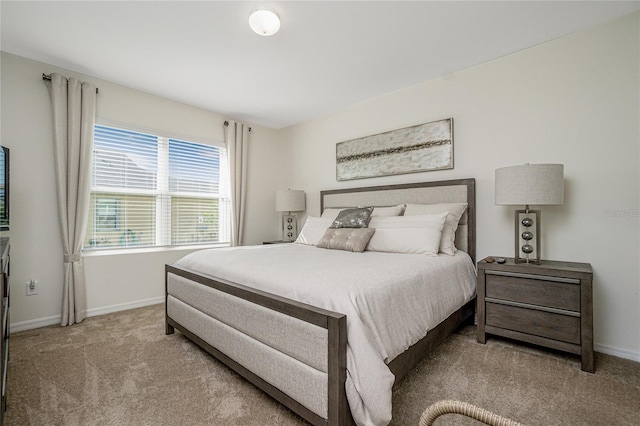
391 301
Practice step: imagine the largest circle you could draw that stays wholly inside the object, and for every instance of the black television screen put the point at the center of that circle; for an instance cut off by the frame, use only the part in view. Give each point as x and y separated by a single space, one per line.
4 188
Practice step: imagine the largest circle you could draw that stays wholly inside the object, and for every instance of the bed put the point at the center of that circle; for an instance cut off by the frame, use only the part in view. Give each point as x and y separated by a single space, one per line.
303 348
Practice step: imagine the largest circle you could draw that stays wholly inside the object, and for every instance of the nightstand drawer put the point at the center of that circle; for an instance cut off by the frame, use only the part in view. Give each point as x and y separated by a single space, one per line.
534 290
531 321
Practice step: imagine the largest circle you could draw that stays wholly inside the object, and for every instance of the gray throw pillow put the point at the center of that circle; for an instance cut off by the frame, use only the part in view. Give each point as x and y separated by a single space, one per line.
348 239
353 218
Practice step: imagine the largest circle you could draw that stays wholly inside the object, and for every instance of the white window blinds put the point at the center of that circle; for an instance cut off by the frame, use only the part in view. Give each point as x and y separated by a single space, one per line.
149 190
194 182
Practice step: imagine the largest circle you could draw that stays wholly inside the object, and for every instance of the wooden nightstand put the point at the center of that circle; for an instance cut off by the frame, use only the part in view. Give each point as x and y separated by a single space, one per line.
549 305
277 242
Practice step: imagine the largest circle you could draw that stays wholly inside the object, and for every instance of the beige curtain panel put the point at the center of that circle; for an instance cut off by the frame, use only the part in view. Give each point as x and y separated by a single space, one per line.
74 115
237 140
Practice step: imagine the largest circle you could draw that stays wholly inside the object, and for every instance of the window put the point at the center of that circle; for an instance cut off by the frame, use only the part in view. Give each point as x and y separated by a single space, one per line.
149 190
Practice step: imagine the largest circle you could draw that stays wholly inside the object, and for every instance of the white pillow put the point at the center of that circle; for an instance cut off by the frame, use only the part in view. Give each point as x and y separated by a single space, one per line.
407 234
331 213
388 211
313 230
455 211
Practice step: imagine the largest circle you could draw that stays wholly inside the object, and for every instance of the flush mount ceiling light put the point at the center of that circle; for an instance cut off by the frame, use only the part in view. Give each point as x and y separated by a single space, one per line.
264 21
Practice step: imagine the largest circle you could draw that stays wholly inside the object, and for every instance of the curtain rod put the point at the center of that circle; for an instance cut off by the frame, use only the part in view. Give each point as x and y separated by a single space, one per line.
226 123
48 77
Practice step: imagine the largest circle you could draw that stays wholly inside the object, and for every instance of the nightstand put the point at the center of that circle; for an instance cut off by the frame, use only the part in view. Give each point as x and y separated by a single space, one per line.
549 305
277 242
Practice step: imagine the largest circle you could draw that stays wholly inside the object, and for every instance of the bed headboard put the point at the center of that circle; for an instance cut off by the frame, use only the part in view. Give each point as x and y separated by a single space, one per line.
445 191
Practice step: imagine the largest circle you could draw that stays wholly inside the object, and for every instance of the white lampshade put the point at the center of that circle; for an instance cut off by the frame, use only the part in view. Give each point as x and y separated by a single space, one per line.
290 201
264 21
530 184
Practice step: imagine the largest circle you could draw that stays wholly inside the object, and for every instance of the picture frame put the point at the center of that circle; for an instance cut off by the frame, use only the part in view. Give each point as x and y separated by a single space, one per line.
421 148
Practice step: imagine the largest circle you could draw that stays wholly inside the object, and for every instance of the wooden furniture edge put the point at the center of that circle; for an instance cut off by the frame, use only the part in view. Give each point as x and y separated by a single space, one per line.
5 300
586 324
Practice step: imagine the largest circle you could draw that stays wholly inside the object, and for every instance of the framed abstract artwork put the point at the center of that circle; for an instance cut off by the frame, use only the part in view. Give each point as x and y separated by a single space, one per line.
420 148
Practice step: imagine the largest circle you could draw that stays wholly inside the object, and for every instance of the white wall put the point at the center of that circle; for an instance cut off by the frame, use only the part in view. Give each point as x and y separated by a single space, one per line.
113 281
572 101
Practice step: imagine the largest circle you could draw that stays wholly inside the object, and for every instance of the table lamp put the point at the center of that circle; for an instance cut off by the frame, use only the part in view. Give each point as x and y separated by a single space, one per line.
529 184
290 201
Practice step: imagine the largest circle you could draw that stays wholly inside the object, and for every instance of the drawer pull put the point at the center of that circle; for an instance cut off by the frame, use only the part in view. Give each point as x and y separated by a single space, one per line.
536 307
534 277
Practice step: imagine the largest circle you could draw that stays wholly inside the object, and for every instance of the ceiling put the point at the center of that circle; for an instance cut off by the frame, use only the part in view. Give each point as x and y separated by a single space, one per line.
328 54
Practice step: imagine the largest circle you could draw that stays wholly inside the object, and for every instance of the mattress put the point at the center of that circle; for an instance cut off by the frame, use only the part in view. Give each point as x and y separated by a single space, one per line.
391 301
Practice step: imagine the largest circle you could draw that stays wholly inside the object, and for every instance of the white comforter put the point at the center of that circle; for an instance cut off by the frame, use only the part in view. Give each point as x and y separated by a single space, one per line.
391 301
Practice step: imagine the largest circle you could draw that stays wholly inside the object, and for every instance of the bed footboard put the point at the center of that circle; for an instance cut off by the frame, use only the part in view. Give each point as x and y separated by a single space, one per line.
314 352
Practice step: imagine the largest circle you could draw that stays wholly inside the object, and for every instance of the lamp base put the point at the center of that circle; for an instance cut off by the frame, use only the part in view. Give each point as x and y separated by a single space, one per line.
527 230
289 227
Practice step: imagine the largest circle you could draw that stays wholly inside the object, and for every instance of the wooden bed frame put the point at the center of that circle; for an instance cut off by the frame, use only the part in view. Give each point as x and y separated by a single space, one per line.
335 323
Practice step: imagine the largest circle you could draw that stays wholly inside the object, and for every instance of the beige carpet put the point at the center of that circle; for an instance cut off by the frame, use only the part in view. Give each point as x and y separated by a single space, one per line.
121 369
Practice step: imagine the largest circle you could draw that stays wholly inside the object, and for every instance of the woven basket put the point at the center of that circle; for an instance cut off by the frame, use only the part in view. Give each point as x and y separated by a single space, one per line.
457 407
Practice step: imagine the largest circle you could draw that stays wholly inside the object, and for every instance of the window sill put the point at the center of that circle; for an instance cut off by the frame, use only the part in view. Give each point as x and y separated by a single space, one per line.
109 252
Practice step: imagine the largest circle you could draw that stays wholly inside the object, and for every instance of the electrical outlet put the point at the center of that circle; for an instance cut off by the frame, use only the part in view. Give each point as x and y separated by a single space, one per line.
32 287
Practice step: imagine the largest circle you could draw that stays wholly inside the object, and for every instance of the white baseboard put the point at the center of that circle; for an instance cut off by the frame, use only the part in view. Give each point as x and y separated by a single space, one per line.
620 353
124 306
43 322
34 323
55 319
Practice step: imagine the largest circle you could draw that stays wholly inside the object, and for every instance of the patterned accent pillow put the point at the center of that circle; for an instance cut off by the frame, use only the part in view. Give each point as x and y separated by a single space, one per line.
353 218
348 239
